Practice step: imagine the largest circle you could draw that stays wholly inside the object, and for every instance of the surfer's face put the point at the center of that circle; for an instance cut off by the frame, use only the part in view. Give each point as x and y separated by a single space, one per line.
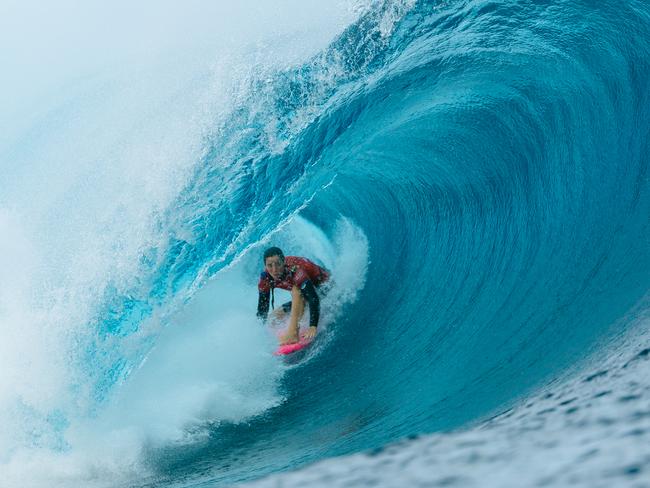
274 266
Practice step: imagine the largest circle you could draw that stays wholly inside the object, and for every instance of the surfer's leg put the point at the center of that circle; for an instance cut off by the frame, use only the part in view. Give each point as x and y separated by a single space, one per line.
281 311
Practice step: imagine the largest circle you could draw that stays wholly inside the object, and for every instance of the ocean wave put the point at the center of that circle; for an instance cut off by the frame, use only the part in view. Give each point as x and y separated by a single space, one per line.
476 172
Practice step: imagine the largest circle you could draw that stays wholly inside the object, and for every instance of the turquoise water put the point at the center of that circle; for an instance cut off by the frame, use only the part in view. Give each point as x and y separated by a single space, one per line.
474 172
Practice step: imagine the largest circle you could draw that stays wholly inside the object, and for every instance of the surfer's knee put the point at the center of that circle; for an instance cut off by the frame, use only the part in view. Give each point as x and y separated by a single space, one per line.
279 313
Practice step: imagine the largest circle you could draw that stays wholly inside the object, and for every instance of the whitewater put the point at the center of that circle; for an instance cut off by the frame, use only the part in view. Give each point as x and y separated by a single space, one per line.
474 173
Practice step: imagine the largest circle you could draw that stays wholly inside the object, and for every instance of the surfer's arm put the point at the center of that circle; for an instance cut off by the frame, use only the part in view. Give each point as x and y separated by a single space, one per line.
308 291
297 309
263 304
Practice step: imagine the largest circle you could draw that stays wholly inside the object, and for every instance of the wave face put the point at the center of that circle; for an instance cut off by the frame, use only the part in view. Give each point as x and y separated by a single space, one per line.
475 173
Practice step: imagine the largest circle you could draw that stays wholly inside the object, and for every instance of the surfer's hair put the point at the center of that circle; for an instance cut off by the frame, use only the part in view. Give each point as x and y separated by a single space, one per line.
273 251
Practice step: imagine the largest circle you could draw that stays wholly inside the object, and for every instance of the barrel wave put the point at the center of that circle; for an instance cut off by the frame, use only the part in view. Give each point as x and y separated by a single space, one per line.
475 173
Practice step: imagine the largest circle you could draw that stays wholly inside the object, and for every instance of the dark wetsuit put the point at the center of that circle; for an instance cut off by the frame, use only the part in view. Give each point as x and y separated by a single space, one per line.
300 272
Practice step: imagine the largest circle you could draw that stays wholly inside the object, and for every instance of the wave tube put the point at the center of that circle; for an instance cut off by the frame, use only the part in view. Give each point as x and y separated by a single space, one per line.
475 173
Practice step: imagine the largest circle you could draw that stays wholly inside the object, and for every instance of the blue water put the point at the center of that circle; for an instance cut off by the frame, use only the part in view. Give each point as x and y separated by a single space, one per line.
476 172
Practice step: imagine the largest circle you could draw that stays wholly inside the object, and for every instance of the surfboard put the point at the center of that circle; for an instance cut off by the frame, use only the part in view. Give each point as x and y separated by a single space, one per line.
286 349
291 348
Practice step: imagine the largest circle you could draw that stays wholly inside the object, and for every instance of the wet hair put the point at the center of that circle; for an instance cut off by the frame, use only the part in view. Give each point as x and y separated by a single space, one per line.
273 251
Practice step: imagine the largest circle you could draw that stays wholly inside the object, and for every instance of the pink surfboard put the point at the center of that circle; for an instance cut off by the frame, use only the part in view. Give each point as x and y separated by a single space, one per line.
290 348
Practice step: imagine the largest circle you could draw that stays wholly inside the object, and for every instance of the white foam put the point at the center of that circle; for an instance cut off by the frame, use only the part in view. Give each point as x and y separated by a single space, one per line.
212 363
105 114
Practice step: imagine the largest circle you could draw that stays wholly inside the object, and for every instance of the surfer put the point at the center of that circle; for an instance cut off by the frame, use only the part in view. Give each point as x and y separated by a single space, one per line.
301 277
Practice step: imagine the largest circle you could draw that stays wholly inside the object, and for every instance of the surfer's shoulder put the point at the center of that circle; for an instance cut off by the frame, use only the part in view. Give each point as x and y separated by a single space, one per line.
264 283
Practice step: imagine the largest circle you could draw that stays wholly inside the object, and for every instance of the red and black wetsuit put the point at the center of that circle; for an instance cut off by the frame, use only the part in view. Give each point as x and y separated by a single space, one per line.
300 272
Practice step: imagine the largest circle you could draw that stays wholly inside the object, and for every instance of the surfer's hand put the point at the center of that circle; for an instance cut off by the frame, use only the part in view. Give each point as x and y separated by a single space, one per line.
289 338
309 334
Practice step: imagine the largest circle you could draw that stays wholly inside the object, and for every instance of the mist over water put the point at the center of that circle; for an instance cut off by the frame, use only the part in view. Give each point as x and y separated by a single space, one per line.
105 117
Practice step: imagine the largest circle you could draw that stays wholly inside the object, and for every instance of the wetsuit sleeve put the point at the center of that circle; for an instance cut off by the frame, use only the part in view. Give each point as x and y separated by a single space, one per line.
308 291
263 304
264 288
